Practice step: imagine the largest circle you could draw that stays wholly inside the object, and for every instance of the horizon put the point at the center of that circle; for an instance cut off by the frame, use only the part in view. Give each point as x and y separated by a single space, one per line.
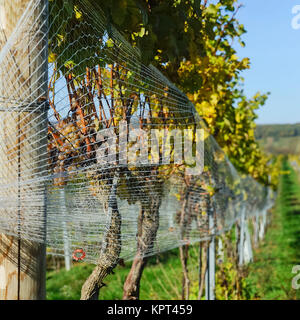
277 124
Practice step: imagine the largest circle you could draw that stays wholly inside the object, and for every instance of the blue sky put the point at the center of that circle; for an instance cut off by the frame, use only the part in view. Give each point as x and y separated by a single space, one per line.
273 47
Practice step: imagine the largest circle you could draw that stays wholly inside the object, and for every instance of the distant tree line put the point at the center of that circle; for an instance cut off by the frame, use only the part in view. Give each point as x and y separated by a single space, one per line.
277 131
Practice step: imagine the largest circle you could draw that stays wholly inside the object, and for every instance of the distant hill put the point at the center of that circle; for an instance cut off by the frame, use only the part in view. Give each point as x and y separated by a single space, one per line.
277 139
277 130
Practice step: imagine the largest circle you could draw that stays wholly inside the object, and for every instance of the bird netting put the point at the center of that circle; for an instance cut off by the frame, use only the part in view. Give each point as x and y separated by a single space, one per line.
101 155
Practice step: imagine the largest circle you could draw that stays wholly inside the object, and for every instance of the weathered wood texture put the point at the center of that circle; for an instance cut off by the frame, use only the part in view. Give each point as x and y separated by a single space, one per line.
23 140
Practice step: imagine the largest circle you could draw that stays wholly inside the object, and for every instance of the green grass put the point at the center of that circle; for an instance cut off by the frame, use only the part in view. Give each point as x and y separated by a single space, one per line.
66 285
161 279
271 273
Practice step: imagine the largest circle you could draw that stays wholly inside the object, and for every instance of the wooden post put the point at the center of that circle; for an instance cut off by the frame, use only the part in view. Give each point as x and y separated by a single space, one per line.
23 151
263 225
210 276
248 255
242 238
256 229
67 249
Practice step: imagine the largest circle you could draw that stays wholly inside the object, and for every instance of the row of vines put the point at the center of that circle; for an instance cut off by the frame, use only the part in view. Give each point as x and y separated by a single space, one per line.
192 44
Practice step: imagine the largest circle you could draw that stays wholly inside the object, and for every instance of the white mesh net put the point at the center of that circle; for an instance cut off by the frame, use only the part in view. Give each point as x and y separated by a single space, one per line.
121 160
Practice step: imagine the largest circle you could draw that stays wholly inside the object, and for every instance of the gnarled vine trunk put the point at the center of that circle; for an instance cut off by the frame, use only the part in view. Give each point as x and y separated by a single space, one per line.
148 223
111 249
184 255
202 268
184 249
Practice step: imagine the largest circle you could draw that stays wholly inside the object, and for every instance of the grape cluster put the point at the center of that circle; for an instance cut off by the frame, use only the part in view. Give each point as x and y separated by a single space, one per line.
66 146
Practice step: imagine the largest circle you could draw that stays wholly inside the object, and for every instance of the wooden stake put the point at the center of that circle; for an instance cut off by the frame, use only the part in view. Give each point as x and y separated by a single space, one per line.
23 141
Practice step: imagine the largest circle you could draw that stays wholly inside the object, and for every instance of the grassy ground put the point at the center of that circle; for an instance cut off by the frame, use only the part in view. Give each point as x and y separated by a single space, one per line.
161 279
269 277
271 273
